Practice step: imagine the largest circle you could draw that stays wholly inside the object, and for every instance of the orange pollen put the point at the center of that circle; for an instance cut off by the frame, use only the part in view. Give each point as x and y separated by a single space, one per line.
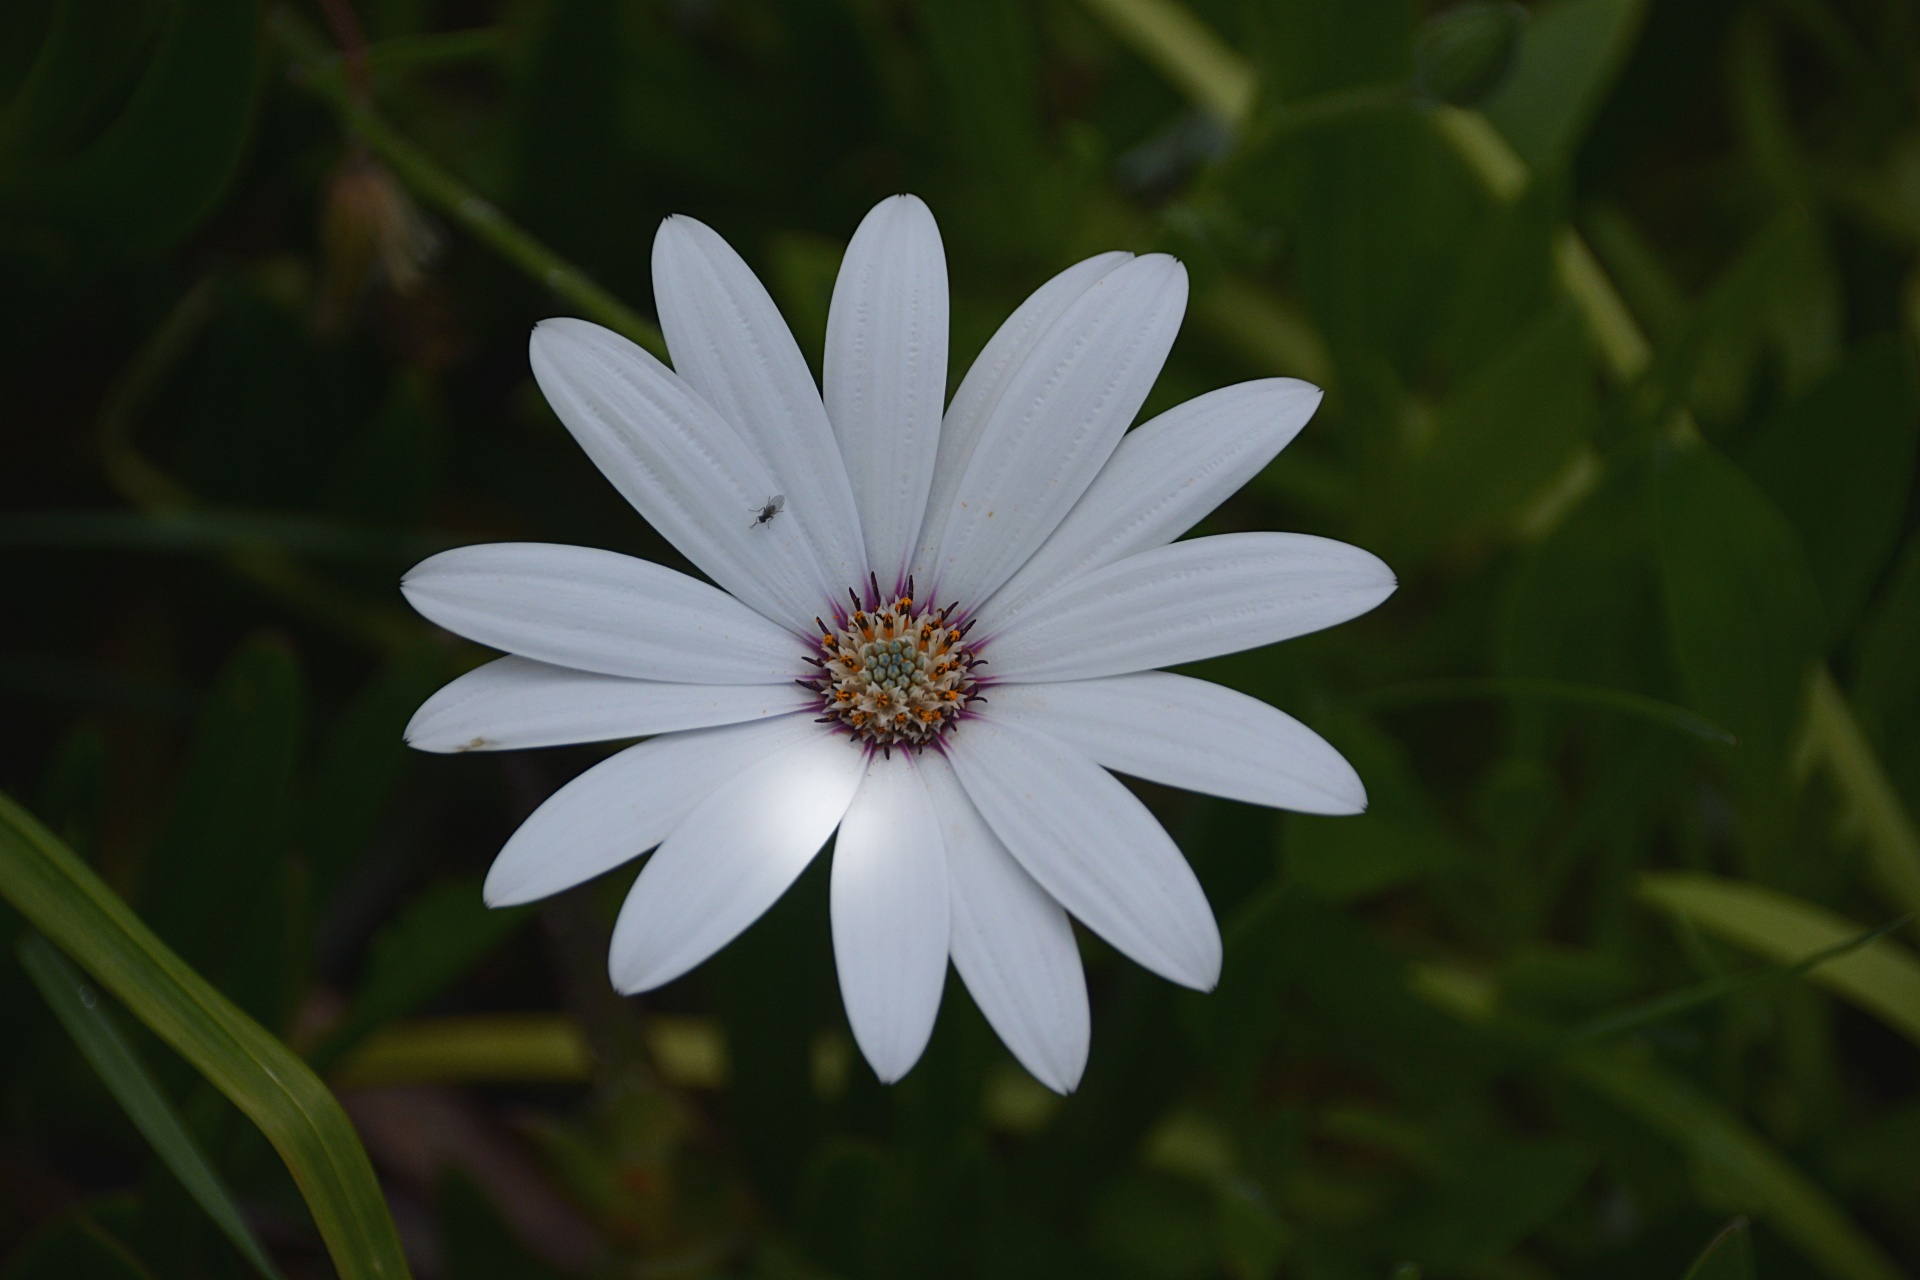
898 675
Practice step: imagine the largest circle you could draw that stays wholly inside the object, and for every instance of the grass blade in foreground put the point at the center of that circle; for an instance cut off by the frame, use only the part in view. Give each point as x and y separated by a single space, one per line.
65 900
1881 977
126 1077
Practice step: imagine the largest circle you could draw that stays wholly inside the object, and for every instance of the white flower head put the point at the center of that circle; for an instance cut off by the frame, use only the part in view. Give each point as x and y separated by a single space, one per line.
933 632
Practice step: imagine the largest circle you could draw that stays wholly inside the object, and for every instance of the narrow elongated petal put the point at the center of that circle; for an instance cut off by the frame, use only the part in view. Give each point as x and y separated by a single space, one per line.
1162 480
513 703
890 915
1190 734
730 345
599 611
1188 601
1057 423
627 804
1092 846
986 381
1011 942
731 858
885 373
690 474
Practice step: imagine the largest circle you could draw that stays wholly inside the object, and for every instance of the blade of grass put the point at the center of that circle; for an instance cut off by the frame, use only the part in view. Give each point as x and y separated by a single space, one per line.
1662 1007
1723 1152
1186 51
79 1008
1529 689
1728 1256
1880 975
1833 737
62 897
1726 1154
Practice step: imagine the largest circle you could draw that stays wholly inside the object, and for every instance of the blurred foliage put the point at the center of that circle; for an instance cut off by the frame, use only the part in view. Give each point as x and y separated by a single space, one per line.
1616 305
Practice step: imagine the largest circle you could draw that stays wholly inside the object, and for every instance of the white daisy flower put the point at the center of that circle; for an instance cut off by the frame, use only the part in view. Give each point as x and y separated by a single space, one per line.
932 632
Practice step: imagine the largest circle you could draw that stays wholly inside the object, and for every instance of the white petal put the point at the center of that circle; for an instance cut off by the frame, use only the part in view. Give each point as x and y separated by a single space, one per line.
1191 734
890 915
1012 943
986 382
599 611
513 703
628 803
1092 846
730 344
1162 480
1188 601
1056 424
689 473
885 370
731 858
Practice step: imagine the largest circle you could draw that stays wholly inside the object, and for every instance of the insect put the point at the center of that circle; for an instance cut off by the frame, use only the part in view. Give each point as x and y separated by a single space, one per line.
771 508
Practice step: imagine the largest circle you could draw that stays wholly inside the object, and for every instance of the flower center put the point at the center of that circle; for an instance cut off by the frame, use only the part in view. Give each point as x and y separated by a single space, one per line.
898 675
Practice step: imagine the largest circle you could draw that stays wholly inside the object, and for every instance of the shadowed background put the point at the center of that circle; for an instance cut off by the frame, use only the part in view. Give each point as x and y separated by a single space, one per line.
1615 306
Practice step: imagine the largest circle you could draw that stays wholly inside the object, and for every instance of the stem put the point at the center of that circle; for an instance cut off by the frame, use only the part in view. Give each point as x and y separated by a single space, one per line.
1622 345
352 41
319 72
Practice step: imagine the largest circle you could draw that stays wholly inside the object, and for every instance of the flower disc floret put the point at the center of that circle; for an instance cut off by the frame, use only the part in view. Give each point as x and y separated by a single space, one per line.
896 675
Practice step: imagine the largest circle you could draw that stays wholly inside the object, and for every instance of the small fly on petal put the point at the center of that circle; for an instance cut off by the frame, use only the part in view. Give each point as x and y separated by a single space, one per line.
772 507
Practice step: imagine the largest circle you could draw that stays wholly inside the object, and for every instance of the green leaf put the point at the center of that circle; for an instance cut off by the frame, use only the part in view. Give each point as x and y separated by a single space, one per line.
1495 1199
1582 606
1311 48
1870 807
435 940
182 116
1568 59
1500 435
1742 611
1886 681
73 907
222 855
1881 977
1885 691
1780 298
1838 462
1732 1165
361 761
1728 1257
79 1008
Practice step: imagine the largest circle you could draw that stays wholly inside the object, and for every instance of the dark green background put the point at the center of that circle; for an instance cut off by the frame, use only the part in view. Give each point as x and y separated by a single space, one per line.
226 427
